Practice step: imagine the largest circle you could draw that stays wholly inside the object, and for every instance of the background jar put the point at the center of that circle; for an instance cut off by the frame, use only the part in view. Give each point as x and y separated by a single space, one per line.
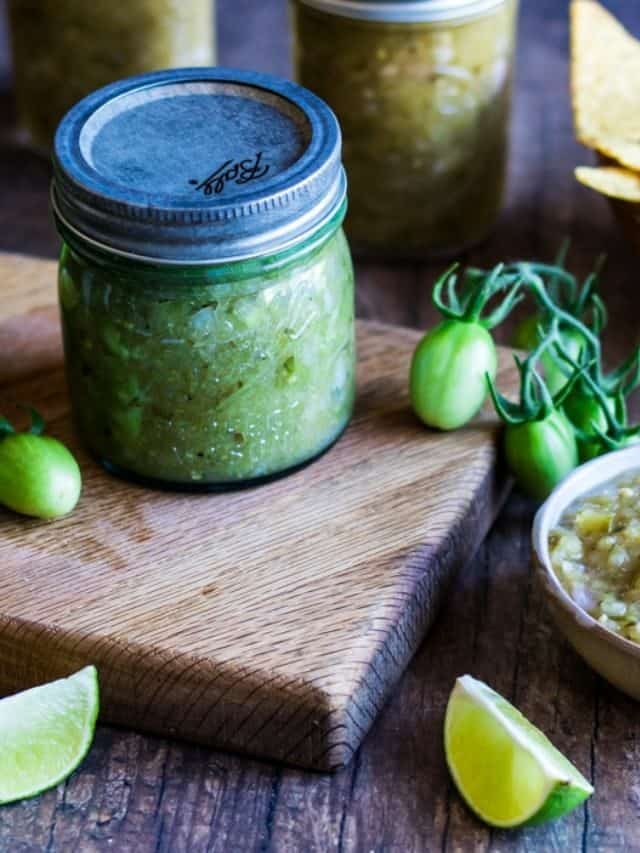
64 49
209 336
422 91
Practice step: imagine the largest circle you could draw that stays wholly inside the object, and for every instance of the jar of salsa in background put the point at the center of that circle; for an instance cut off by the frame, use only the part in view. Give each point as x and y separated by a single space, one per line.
206 286
422 92
64 49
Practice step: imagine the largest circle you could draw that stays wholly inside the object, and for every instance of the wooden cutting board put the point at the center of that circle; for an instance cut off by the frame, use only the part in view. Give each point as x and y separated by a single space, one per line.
274 621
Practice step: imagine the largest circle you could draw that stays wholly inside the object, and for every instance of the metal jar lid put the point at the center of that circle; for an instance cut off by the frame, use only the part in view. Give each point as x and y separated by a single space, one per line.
406 11
197 165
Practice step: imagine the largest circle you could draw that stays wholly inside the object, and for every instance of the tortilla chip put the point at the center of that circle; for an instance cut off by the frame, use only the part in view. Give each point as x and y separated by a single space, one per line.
611 181
605 83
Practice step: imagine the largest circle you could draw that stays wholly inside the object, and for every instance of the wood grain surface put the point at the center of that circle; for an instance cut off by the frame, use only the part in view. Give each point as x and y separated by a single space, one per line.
273 621
137 793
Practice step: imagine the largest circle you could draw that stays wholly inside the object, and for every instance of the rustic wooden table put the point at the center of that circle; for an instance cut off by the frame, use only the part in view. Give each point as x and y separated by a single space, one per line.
137 793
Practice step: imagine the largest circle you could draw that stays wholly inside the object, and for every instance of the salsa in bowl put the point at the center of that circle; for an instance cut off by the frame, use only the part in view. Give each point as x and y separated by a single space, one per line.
584 555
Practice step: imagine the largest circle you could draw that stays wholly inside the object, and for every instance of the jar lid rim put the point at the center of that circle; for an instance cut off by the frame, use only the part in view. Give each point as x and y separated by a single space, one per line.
405 11
133 161
158 261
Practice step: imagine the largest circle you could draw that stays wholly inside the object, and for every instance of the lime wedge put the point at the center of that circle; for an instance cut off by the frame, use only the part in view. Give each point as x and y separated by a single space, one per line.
45 733
508 772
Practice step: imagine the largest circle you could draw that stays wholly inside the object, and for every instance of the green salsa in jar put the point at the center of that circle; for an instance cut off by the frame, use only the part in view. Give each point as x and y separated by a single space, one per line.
64 49
422 90
225 354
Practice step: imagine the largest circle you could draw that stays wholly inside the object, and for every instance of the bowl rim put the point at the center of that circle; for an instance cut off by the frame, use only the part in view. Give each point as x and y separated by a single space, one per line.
584 479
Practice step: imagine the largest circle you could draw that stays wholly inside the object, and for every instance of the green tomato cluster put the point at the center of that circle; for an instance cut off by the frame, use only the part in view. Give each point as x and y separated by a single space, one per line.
569 411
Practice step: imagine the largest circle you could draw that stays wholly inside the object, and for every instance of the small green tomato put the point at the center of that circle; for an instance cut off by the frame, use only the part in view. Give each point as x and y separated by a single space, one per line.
38 475
540 453
585 413
448 373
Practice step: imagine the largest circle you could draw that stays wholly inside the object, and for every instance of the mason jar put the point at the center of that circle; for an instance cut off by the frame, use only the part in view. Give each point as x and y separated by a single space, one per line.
206 286
422 92
64 49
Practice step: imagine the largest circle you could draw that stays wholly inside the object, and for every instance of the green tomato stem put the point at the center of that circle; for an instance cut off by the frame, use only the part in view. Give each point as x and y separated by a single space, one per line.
533 409
597 392
452 296
483 294
37 423
507 411
536 402
5 428
453 311
625 377
483 287
538 289
504 309
599 312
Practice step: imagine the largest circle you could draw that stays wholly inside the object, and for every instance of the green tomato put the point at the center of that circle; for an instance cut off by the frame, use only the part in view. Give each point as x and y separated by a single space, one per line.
541 453
38 475
585 413
448 373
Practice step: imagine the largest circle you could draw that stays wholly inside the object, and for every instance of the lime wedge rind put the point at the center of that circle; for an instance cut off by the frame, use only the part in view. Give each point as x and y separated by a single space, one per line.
559 787
562 800
45 734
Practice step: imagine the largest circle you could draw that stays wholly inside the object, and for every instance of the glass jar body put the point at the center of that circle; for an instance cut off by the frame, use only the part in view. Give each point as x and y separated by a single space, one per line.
424 110
64 49
210 377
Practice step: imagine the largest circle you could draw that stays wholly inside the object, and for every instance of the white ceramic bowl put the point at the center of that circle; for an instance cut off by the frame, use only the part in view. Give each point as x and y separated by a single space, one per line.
616 659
